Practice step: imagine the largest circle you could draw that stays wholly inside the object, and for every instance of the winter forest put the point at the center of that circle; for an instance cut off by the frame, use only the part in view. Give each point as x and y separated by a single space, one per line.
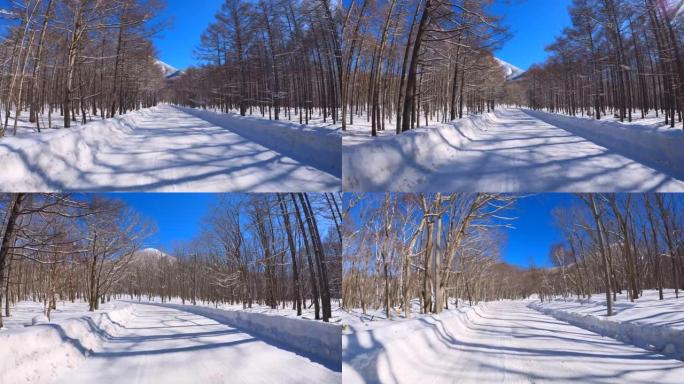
446 247
263 269
329 191
437 274
257 251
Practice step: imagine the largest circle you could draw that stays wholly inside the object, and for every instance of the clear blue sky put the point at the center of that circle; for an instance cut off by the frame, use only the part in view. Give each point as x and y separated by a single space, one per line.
534 24
188 19
535 230
176 215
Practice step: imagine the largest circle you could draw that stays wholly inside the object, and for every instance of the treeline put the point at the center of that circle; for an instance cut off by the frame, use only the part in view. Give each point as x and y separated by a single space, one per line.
615 244
404 61
275 58
619 57
278 250
77 59
430 246
273 250
62 247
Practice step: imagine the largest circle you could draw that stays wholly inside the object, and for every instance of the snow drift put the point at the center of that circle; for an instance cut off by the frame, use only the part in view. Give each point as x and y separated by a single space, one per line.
410 157
361 349
312 338
42 352
641 327
659 149
29 162
309 145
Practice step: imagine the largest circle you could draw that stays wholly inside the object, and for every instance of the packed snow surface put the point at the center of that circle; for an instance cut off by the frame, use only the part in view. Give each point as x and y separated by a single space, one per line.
647 322
511 150
155 344
500 342
161 149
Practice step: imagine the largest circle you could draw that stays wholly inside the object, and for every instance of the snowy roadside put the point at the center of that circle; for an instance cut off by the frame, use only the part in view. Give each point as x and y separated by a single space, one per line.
371 164
313 338
30 160
648 144
363 343
648 323
42 352
314 145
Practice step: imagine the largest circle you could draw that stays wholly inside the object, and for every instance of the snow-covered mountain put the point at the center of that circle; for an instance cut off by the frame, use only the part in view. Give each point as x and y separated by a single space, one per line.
151 255
169 71
512 72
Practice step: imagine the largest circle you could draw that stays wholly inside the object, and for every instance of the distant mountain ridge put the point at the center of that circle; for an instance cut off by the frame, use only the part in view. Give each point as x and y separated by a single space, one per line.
151 254
168 70
511 71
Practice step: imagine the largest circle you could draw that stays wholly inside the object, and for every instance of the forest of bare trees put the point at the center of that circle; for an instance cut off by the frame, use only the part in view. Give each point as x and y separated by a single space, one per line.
276 250
622 243
275 58
619 58
428 246
436 247
73 60
407 61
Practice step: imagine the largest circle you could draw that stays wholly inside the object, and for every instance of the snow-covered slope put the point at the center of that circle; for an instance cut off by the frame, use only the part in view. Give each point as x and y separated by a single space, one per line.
169 71
512 72
649 323
151 254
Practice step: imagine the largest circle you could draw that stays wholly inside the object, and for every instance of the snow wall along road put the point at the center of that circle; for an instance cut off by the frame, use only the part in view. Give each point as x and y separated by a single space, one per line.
317 340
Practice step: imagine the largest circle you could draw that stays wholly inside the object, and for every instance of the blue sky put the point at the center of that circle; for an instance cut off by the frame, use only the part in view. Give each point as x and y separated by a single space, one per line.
177 215
534 228
188 18
534 25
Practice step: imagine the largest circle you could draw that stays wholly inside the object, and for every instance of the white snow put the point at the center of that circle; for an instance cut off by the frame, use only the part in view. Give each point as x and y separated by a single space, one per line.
498 342
160 149
511 71
307 143
647 322
40 353
313 338
651 144
168 70
512 151
147 343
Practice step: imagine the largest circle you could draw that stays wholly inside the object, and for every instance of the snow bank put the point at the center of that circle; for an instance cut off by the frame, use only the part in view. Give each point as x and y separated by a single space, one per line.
43 352
316 146
361 348
29 162
635 329
372 165
657 148
313 338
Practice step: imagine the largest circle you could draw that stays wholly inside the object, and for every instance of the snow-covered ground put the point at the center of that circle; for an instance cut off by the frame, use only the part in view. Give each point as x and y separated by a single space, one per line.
498 342
511 150
647 322
163 149
23 312
149 343
308 313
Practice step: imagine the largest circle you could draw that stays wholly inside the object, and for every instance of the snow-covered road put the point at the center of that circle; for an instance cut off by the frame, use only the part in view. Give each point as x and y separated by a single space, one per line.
163 345
156 149
505 342
510 151
520 153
